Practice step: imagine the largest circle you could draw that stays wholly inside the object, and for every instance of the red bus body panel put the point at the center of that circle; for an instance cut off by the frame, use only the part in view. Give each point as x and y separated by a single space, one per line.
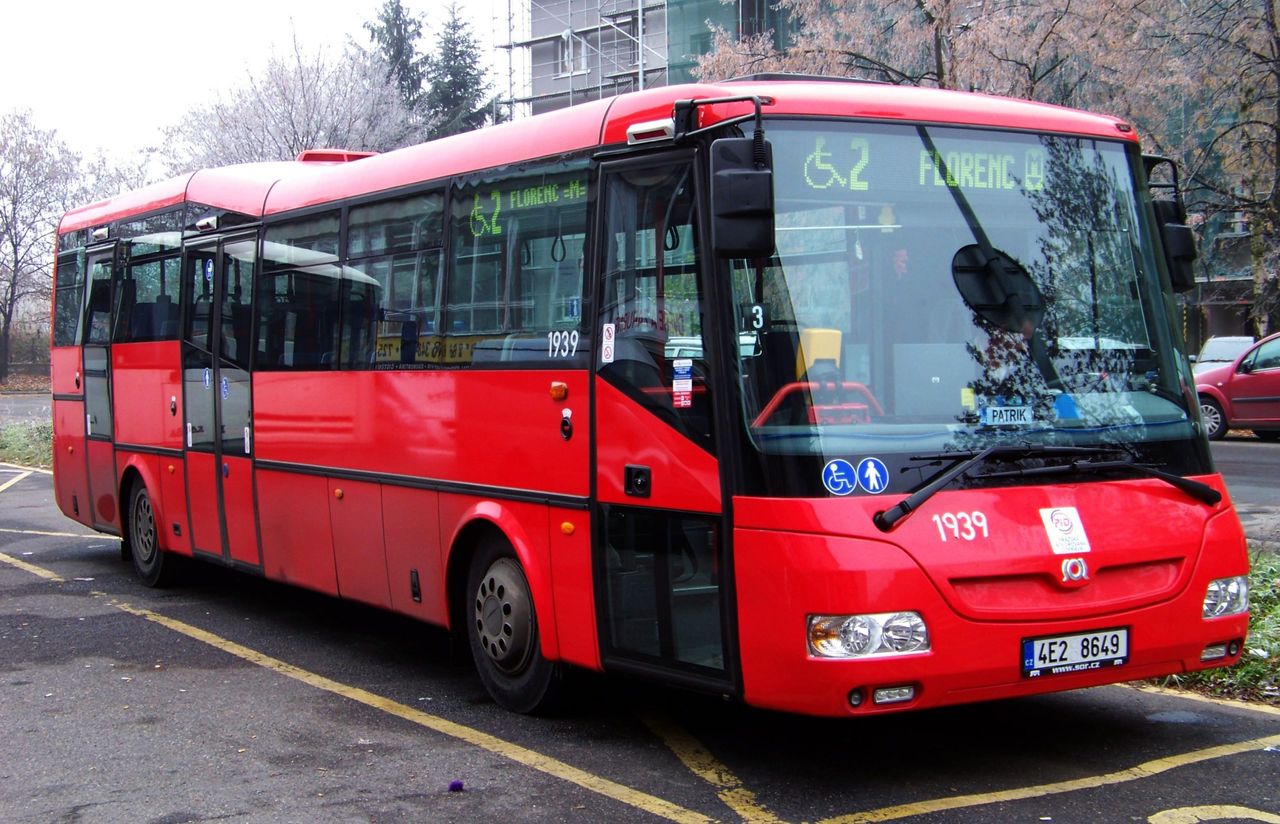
147 394
1153 553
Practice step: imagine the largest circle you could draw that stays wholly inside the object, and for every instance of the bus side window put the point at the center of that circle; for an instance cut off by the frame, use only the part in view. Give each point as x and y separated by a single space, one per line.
298 292
516 277
68 298
391 281
97 322
652 294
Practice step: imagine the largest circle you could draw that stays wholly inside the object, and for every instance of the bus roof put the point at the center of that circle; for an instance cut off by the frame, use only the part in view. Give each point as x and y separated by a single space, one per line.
270 188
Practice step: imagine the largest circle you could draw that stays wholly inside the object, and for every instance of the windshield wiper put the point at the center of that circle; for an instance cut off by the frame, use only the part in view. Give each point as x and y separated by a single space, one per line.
1201 492
968 460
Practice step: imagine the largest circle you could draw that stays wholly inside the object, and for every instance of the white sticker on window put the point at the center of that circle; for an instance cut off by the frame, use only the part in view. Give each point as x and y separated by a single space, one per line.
1066 532
607 335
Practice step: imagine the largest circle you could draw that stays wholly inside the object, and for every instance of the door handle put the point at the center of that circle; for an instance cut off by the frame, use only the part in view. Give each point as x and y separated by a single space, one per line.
173 405
226 470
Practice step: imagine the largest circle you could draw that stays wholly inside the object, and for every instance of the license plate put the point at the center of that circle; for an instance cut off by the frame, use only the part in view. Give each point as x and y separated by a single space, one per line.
1063 654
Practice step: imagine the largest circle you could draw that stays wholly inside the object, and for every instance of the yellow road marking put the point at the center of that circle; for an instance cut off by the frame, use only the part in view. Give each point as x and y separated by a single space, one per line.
490 743
12 481
60 534
703 764
32 568
1146 770
1217 812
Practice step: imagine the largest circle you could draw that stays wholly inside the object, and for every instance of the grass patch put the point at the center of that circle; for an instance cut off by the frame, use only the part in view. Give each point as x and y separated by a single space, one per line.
28 444
1257 676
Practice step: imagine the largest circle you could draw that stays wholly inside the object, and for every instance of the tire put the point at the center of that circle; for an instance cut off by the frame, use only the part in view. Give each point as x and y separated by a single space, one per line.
1215 420
1267 434
502 631
154 566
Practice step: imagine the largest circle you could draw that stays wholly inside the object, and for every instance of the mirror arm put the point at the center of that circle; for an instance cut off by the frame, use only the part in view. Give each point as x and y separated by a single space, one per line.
685 116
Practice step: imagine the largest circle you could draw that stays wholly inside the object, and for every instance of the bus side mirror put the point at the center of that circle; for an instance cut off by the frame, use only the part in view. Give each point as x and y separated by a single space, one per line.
1171 216
1179 245
741 198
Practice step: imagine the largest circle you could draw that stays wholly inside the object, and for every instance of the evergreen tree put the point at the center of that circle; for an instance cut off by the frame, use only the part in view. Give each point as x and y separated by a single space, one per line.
396 33
457 89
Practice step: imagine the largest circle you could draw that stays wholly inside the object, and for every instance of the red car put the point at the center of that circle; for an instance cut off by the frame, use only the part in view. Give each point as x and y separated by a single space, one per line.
1243 394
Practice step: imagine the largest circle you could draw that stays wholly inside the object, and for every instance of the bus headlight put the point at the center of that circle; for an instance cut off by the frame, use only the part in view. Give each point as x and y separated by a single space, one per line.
1227 596
862 636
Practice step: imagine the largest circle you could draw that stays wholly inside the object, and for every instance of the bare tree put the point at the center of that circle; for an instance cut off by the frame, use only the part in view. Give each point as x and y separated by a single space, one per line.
39 178
1037 49
298 102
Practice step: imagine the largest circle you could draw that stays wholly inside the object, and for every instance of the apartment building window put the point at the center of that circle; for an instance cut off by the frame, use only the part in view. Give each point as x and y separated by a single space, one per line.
571 58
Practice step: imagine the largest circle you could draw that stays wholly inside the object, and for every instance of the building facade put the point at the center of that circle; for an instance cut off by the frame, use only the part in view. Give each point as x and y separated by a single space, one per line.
570 51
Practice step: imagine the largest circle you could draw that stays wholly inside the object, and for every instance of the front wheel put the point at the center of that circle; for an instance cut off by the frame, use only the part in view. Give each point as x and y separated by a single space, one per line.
502 629
154 566
1215 420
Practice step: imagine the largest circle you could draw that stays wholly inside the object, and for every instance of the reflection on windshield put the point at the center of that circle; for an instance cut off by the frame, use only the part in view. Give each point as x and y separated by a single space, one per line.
938 289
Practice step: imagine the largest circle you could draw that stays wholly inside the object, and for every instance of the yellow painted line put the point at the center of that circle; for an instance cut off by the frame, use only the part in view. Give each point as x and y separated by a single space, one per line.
1266 709
1215 812
706 766
12 481
1145 770
490 743
59 534
32 568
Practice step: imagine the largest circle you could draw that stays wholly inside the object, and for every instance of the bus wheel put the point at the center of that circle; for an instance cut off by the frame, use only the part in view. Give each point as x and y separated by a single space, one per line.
502 629
153 565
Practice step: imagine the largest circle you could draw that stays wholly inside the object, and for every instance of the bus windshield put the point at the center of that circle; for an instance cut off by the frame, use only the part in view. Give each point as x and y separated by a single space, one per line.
941 289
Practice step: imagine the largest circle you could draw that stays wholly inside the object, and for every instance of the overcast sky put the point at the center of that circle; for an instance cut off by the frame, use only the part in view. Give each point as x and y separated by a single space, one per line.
112 74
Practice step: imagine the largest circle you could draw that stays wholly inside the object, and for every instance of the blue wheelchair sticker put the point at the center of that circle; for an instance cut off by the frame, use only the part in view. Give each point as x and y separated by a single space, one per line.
839 477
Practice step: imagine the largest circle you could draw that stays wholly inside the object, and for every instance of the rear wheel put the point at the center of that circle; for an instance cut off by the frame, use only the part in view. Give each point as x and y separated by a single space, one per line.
502 629
1215 420
154 566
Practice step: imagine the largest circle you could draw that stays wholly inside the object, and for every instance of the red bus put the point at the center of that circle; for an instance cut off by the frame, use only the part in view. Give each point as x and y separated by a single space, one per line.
831 397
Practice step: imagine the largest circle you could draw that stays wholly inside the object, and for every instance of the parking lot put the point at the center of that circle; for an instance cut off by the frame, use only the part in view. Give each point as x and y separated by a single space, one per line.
231 698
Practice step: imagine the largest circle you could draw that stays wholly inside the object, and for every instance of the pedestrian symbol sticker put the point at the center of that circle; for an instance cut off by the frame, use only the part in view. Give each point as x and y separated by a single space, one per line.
873 476
839 478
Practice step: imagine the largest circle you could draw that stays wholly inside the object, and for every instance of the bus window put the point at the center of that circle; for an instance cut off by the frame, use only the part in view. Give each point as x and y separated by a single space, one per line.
68 298
396 245
515 286
652 296
298 295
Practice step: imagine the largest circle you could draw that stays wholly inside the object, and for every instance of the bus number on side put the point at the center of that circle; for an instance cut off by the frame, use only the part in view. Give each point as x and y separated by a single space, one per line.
562 344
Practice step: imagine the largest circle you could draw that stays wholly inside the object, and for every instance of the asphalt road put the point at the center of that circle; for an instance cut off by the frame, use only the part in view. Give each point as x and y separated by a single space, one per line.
232 699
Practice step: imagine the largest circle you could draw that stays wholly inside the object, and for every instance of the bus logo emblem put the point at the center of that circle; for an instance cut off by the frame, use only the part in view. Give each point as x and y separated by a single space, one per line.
1075 571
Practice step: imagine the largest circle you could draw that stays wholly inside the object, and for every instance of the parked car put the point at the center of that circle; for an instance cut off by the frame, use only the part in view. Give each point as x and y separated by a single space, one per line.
1245 393
1219 350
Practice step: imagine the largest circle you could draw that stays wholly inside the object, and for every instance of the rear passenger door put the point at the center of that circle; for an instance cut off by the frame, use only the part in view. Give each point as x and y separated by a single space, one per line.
218 336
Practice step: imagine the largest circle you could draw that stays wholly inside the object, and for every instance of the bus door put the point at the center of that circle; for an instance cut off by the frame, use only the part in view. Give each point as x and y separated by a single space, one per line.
659 560
96 372
218 299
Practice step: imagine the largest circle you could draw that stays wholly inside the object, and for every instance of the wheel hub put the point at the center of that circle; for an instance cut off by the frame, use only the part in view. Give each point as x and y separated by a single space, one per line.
503 617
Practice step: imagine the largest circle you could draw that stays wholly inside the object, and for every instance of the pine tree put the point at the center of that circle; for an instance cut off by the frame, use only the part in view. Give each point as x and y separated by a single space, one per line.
457 89
396 33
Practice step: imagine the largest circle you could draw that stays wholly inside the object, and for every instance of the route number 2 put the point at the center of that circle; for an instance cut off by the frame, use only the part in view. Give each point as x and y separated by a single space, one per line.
962 526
